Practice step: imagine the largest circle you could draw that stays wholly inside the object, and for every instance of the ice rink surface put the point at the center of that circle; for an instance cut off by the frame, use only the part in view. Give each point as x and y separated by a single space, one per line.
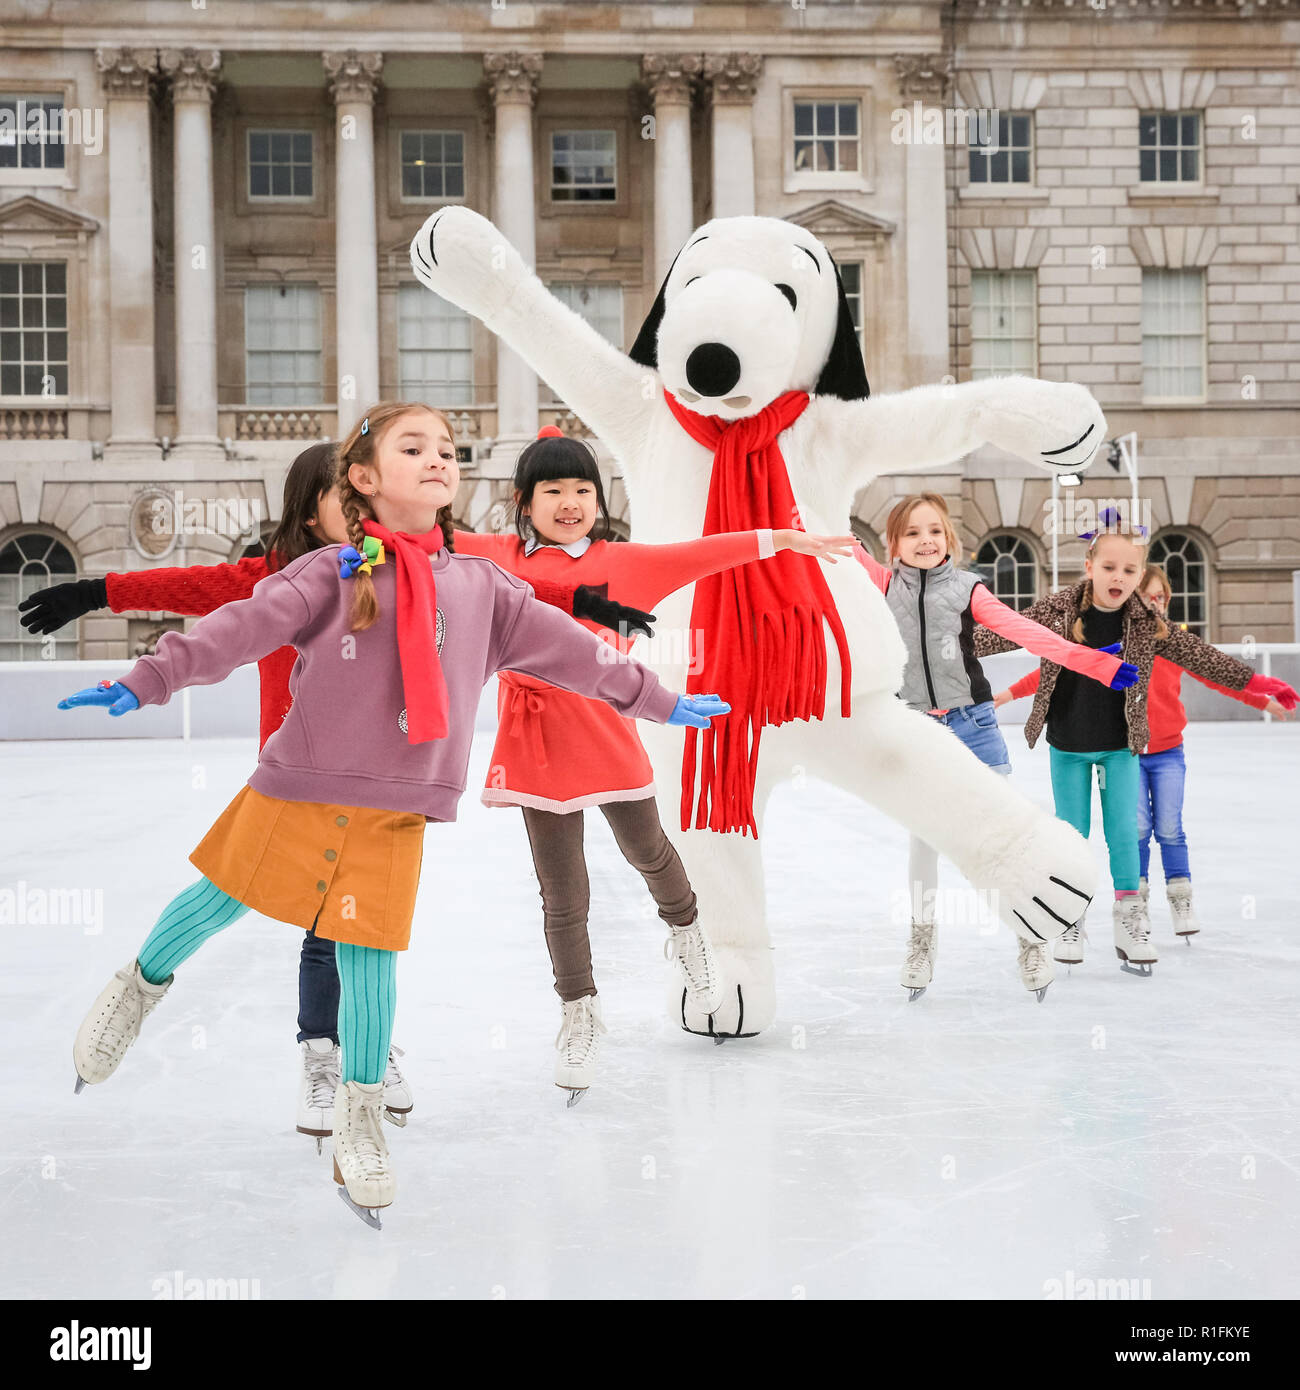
973 1144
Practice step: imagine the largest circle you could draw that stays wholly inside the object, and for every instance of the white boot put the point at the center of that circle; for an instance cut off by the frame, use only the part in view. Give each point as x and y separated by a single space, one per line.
1179 893
918 968
1035 967
576 1042
320 1079
398 1102
691 948
1133 943
114 1023
1069 945
361 1164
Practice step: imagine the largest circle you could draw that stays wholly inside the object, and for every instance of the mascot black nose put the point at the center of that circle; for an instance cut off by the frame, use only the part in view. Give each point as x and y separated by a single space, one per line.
712 369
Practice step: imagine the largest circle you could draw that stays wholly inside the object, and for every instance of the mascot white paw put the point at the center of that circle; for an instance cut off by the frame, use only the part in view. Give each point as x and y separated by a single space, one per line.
749 998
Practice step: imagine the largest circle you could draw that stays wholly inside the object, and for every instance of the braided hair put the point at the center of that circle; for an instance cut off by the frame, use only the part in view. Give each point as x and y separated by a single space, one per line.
361 445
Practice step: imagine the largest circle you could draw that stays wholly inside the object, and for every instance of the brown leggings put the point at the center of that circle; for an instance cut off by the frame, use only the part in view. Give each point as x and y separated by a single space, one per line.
556 840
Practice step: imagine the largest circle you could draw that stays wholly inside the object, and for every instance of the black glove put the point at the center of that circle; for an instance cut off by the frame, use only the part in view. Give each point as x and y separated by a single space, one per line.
592 601
48 609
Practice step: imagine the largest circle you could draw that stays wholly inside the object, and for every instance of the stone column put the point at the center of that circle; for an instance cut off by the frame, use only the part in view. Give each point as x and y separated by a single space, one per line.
925 228
194 75
733 79
512 85
669 77
126 75
353 79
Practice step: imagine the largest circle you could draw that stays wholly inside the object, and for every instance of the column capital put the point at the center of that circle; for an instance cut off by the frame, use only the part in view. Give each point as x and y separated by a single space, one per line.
733 77
670 77
126 72
923 75
512 77
194 72
353 76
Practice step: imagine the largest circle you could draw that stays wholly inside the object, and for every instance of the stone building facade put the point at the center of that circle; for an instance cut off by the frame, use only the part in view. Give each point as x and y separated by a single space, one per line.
209 269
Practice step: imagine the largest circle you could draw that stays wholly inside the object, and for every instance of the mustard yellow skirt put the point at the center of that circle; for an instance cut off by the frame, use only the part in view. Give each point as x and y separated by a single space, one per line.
352 871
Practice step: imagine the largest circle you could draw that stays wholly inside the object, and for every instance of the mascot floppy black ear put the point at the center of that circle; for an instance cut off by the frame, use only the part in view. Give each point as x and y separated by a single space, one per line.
645 350
844 374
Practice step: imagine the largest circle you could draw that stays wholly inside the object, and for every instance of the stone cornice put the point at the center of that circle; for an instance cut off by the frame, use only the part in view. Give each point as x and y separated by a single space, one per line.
126 72
353 76
1137 9
512 77
733 77
194 72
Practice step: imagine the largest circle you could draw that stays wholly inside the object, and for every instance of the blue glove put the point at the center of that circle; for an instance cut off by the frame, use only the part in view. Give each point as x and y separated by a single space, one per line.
1126 675
1113 650
111 693
697 710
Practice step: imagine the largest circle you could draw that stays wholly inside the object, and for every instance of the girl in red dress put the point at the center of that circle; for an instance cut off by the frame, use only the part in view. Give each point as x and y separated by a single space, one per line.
558 753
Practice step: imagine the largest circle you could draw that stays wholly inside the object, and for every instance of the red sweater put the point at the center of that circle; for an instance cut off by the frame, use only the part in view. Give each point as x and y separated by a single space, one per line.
1166 717
197 590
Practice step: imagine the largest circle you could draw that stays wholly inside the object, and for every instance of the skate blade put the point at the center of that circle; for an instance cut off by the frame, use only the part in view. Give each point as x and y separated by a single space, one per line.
396 1117
1041 994
370 1215
1130 967
914 993
575 1095
80 1086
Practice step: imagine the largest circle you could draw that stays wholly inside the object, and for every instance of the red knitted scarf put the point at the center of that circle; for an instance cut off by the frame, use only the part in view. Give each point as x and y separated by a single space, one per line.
763 644
423 684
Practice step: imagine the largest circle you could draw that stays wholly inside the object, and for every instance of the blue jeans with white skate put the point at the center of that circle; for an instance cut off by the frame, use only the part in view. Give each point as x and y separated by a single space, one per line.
977 727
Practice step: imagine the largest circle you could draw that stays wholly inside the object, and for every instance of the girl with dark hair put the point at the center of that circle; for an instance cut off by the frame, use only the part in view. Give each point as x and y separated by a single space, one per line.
558 753
311 517
396 637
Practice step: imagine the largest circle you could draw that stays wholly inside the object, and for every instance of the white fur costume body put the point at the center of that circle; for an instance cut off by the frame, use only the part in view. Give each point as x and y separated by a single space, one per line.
752 307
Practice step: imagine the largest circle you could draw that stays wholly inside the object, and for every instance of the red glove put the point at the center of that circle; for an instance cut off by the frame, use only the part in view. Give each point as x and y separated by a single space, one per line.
1273 689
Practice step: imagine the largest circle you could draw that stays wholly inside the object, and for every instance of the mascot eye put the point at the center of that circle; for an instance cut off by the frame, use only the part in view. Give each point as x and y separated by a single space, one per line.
790 295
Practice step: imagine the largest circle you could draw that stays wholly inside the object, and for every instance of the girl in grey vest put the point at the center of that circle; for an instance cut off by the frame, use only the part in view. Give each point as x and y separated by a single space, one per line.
938 607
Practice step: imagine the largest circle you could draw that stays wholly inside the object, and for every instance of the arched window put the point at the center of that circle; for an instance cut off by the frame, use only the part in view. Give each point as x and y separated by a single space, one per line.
1008 566
1183 560
29 562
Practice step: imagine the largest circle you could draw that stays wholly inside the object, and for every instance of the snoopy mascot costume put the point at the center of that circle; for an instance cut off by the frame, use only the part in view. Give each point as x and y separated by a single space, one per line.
744 404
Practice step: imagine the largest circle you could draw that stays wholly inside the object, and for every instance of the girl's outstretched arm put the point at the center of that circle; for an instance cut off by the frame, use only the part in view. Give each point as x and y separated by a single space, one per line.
191 591
271 617
535 640
1200 659
645 574
1041 641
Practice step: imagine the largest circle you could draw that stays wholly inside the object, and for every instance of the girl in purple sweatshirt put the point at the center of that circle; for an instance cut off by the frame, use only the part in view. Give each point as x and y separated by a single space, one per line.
396 638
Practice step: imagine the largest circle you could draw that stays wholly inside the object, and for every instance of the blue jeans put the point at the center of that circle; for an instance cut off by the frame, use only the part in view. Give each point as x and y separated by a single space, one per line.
977 727
1160 807
318 989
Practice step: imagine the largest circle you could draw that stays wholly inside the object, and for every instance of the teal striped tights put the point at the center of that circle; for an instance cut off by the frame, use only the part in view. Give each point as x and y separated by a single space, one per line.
367 977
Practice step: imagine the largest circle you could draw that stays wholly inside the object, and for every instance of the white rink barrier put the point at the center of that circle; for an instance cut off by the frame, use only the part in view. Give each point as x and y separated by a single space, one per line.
31 690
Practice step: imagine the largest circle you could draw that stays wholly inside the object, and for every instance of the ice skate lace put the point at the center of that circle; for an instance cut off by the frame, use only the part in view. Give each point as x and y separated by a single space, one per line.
393 1076
368 1147
1075 933
577 1035
1180 908
918 948
1135 922
1033 954
125 1021
322 1078
689 946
